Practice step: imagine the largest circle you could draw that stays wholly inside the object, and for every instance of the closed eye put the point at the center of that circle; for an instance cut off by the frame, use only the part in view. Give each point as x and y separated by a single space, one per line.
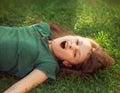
75 53
77 42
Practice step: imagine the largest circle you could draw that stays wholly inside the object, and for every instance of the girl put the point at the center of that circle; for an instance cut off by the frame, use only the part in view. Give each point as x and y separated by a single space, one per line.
32 54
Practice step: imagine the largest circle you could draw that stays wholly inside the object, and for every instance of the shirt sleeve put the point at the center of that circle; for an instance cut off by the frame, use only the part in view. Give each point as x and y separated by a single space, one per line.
50 69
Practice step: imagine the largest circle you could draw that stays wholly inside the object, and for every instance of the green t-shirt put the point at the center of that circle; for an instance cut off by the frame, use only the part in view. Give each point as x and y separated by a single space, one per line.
23 49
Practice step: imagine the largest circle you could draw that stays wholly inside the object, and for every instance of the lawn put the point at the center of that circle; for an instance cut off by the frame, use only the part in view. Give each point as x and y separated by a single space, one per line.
97 19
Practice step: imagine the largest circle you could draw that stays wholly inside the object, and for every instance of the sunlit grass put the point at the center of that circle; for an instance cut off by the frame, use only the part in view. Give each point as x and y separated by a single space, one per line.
97 19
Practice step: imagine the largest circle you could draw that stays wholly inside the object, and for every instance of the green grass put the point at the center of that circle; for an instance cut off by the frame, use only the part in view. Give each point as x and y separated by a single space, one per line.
97 19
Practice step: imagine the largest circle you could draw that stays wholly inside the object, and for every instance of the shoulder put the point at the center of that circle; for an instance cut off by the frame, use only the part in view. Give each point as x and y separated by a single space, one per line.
44 29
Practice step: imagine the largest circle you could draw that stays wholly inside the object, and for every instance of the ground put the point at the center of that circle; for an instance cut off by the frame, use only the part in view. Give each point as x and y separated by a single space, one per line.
97 19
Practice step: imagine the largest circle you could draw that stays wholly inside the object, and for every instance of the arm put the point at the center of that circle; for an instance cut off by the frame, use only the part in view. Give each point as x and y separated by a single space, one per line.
30 81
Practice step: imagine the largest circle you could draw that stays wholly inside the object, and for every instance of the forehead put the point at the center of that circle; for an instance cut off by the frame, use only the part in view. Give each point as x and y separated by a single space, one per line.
84 48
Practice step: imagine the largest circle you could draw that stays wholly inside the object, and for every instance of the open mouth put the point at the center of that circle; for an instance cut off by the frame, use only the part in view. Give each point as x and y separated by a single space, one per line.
63 44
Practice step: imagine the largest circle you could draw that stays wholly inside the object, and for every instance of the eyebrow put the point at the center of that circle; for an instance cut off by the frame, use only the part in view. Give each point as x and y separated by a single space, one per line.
78 55
78 52
81 42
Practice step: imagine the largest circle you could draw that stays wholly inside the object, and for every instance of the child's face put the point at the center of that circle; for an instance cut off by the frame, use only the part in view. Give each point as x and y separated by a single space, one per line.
71 49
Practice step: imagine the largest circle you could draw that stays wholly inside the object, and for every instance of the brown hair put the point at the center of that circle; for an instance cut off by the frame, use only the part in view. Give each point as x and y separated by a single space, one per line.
98 58
57 31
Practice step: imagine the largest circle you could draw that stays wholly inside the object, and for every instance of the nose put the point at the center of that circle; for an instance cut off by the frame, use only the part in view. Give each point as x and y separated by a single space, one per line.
69 45
72 46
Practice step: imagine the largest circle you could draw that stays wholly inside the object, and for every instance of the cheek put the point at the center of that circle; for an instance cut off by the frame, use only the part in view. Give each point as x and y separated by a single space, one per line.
68 55
68 52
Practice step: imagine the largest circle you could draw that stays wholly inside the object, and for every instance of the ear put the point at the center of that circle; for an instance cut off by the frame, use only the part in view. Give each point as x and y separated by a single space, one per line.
67 64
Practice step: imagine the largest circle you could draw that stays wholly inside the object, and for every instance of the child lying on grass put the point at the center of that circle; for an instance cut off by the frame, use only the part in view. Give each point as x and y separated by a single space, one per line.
32 54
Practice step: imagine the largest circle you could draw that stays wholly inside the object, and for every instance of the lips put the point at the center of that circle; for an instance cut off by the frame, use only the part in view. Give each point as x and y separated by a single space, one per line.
63 44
